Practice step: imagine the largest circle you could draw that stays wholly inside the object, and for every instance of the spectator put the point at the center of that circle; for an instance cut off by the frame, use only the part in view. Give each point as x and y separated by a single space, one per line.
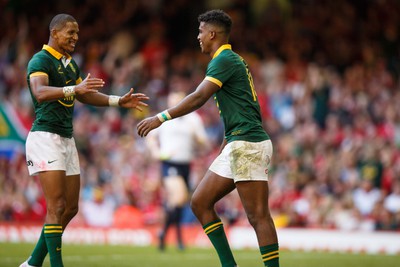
98 210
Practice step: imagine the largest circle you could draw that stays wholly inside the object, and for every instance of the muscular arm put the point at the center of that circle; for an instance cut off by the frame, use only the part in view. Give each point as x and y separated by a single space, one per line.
194 100
190 103
129 100
43 92
95 99
86 92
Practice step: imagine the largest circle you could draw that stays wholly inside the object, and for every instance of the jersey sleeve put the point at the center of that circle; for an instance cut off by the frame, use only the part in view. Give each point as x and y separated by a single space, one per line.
38 66
219 71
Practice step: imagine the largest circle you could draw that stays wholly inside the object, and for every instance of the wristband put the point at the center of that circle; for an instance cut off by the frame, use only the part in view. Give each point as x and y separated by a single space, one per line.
164 116
69 90
113 100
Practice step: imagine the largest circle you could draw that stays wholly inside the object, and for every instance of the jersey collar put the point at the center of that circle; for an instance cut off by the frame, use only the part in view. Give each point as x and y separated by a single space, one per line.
222 48
54 52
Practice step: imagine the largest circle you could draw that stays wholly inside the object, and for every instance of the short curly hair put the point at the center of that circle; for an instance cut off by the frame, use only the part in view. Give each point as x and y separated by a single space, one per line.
217 17
60 20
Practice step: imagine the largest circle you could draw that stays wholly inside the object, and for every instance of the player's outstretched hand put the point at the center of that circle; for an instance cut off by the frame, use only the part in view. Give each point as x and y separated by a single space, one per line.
131 100
148 124
89 85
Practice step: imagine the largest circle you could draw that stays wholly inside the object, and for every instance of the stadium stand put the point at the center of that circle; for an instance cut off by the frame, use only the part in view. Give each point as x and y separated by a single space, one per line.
326 73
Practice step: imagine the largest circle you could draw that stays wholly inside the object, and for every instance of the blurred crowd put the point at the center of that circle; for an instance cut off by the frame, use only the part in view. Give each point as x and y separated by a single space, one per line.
326 74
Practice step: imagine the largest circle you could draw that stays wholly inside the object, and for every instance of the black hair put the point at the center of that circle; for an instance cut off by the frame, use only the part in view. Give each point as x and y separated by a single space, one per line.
217 17
60 20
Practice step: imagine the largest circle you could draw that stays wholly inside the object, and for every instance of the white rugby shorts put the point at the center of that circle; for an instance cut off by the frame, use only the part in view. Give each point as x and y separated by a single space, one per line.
244 161
50 152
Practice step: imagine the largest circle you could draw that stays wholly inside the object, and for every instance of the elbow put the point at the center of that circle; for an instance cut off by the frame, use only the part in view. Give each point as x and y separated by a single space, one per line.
199 101
197 105
40 98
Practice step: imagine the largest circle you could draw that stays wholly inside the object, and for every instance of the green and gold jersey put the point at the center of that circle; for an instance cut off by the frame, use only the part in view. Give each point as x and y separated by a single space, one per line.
236 99
54 116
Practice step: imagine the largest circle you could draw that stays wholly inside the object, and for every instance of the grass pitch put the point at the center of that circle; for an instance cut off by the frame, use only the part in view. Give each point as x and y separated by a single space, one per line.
12 254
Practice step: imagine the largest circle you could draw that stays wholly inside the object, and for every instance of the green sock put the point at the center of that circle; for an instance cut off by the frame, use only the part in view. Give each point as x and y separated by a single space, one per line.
270 255
39 252
215 232
52 234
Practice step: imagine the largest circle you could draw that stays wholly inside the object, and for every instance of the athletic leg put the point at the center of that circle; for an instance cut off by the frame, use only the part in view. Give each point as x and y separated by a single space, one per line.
51 183
72 199
211 189
38 254
254 197
54 188
168 220
178 218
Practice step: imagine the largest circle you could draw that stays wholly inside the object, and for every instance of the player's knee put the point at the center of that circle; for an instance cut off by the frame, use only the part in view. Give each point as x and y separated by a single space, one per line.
56 208
72 211
252 219
201 204
197 205
256 218
194 205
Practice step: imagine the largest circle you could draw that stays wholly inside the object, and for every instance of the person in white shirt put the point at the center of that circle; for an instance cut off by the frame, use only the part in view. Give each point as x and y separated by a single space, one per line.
98 211
365 197
176 143
392 201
